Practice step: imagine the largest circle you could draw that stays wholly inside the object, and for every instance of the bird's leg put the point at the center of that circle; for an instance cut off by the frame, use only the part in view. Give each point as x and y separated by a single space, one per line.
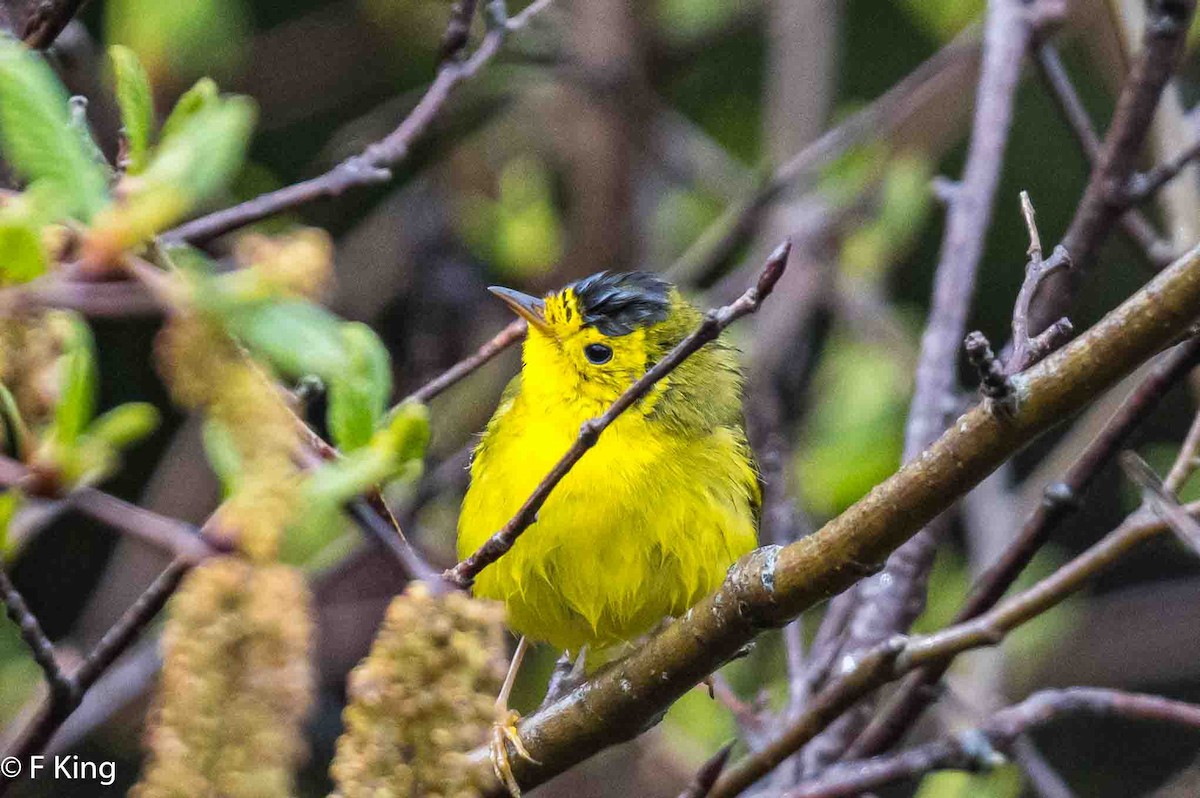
505 729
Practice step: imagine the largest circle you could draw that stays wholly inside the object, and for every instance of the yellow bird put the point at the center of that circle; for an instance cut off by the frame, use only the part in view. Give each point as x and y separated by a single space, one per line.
651 518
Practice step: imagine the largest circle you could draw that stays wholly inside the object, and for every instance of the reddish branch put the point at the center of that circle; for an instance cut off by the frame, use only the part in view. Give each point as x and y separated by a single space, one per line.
977 749
464 573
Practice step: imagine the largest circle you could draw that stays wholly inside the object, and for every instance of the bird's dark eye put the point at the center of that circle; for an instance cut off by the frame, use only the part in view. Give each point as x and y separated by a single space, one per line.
597 353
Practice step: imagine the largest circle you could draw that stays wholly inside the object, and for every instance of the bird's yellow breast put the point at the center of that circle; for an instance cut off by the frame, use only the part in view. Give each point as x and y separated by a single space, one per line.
642 527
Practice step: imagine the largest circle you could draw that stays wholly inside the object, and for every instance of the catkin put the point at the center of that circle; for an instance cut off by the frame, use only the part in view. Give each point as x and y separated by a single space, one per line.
421 699
236 685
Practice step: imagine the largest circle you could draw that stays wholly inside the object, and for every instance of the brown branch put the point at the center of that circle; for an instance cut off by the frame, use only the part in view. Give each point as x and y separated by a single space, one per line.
45 20
889 602
1144 186
373 164
1105 198
977 749
178 538
464 573
59 706
772 585
1164 504
1061 501
708 773
939 649
61 686
1053 73
1027 349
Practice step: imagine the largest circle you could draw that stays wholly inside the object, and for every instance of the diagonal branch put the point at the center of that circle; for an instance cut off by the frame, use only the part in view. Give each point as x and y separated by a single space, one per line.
1104 198
889 602
978 748
772 585
1061 500
373 164
714 322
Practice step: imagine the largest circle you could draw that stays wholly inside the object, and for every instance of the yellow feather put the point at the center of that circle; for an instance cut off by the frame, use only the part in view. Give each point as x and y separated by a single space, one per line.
648 521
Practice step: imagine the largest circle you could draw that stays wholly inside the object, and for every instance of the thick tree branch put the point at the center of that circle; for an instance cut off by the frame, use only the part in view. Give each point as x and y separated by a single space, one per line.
772 585
464 573
373 164
977 749
888 603
1060 502
938 649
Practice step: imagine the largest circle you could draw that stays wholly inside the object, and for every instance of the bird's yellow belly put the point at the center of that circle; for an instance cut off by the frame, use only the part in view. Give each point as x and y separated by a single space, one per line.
632 534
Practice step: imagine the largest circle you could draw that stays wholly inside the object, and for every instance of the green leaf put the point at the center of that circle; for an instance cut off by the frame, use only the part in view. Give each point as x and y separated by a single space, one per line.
406 435
136 101
21 256
358 399
10 502
205 152
223 455
37 136
125 424
77 401
15 424
203 94
298 338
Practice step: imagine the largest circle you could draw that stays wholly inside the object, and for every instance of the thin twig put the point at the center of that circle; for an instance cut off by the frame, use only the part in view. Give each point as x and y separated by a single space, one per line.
464 573
1027 349
889 602
61 686
1062 91
1105 198
1164 504
373 165
1061 500
977 749
513 333
1042 777
47 20
58 707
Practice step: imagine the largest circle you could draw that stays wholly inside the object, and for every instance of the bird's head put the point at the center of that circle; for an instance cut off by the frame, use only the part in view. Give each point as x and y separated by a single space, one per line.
592 339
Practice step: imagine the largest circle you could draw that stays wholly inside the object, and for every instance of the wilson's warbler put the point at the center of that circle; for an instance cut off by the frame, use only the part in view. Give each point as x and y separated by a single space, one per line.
649 520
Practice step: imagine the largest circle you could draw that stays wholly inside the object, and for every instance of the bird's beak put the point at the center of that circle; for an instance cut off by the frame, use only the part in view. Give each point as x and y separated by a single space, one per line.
530 308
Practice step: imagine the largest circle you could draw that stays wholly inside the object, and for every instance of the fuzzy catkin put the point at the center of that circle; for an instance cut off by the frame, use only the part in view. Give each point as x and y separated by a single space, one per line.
422 699
236 685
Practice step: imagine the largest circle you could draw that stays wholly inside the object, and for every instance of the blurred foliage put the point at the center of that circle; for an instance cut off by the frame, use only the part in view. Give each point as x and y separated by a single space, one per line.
944 18
854 434
180 41
518 232
1003 782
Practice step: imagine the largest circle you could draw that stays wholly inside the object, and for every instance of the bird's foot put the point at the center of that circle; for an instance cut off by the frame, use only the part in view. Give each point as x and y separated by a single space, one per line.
504 732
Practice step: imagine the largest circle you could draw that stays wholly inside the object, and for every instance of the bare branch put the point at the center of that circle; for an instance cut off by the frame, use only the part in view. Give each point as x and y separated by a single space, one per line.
1061 500
714 322
889 602
53 712
977 749
708 773
1105 198
772 585
373 164
513 333
1136 226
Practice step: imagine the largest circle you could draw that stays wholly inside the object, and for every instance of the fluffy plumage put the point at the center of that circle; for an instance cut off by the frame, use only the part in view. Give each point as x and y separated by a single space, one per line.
650 519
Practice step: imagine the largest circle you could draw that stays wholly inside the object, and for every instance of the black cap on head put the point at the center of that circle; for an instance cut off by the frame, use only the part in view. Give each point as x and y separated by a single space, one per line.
619 303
